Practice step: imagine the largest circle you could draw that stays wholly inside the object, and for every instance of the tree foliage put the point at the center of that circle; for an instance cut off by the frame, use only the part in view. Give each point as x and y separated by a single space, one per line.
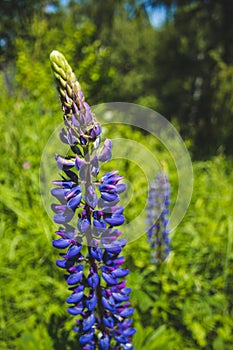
183 69
193 47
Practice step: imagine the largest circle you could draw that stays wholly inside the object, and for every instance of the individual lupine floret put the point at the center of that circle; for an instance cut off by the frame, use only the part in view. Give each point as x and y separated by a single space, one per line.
158 218
92 248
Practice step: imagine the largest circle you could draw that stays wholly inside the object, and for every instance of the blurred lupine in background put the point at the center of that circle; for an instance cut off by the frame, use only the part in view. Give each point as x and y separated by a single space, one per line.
99 297
157 218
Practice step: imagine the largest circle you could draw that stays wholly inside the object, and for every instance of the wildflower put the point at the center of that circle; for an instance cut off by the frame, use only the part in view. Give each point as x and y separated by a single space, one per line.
92 248
157 218
26 165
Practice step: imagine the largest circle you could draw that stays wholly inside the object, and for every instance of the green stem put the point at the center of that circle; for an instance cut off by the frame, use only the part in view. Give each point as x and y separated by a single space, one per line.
92 260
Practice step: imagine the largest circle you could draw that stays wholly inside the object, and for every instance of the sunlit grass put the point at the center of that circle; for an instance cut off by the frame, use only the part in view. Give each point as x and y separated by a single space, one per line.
185 304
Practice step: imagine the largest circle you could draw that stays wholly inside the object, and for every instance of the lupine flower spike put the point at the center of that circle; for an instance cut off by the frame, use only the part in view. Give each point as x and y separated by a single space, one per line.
157 218
91 247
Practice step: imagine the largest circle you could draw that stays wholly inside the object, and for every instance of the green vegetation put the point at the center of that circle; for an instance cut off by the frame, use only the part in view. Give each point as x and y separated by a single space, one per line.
187 302
183 69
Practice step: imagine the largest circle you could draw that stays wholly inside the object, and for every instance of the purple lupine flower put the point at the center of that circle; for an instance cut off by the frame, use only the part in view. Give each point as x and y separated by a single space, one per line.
157 218
89 216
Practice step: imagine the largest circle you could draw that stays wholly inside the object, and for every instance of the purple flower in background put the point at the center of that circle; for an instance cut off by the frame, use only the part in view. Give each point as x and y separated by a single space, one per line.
157 218
89 215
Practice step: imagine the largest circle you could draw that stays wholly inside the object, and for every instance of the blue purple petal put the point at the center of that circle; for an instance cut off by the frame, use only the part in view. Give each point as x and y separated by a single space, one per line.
61 243
74 250
74 298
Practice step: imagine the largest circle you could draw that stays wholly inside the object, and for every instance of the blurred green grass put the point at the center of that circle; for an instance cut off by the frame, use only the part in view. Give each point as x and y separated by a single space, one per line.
184 304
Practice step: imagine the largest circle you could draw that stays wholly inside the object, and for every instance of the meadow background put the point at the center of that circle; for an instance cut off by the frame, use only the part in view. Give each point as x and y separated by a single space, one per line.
183 68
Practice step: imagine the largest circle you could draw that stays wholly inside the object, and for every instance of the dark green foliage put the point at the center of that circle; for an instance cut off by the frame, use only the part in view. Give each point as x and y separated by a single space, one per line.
182 69
193 72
